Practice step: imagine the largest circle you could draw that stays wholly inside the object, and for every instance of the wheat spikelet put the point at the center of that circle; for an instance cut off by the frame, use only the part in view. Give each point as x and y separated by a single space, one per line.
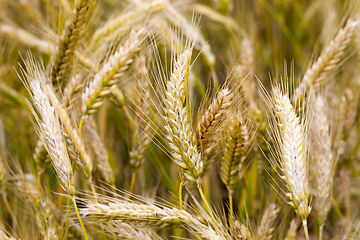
75 145
141 138
146 215
237 144
69 39
318 74
101 156
324 160
209 123
293 156
108 75
292 232
265 229
180 136
44 216
49 127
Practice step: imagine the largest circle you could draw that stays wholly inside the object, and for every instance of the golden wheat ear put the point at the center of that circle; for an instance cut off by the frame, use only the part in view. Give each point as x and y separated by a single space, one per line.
143 213
290 153
49 128
69 40
318 74
109 74
265 228
292 232
323 159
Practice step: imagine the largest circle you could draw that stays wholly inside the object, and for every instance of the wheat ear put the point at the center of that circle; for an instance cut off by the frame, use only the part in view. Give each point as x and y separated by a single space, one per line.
235 152
318 74
102 163
324 161
126 231
265 229
50 130
108 75
75 145
180 135
148 215
233 161
292 232
293 157
68 42
209 123
241 231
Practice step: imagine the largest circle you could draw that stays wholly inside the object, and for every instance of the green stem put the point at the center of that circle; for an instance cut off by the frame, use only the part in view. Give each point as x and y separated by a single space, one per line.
305 229
231 214
132 183
78 216
206 204
321 231
67 219
180 194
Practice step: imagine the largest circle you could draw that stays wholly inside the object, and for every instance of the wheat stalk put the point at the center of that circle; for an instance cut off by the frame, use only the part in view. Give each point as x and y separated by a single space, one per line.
265 229
146 215
293 156
2 176
318 74
108 75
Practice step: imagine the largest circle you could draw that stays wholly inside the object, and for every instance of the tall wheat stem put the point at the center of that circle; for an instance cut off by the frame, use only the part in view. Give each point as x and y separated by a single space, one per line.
305 229
78 216
208 209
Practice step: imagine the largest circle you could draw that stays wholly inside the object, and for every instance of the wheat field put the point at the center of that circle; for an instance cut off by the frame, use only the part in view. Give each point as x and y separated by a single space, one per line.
172 119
